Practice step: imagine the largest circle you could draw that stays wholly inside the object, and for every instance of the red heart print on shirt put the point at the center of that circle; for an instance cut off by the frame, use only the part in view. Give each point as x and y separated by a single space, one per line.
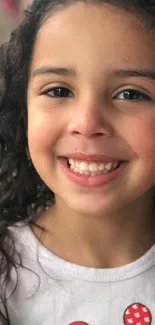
78 323
137 314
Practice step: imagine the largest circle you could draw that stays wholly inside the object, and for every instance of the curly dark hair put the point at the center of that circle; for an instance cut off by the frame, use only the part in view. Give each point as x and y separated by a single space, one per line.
23 195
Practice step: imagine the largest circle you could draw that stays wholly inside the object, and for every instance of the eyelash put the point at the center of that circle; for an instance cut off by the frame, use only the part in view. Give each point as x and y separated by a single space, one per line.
143 96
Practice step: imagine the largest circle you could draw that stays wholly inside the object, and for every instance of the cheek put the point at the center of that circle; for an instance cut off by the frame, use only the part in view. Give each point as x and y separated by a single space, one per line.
43 132
142 137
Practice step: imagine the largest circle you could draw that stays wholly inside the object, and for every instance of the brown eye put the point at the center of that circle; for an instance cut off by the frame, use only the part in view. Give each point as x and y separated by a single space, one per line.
58 92
131 94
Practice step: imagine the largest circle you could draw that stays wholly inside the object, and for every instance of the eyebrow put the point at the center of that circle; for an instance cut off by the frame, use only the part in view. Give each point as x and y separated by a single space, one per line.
65 72
120 73
142 73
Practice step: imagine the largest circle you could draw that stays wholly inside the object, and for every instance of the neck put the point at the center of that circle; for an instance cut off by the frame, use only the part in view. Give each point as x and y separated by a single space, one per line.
106 242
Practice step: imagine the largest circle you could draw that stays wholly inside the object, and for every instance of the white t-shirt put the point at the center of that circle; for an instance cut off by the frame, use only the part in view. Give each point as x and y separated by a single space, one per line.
52 291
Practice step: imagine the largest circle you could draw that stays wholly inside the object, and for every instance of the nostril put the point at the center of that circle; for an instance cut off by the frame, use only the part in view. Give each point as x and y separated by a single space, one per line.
99 134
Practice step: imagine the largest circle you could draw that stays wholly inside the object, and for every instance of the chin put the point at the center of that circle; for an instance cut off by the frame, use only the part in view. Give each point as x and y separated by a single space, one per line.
90 208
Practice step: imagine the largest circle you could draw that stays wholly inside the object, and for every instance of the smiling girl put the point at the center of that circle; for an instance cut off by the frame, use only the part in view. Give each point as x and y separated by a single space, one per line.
77 169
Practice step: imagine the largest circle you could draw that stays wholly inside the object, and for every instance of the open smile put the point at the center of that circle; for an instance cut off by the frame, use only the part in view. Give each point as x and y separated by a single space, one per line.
91 173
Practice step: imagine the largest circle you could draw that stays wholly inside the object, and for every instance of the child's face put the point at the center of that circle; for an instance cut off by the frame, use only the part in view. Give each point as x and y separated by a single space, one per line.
94 115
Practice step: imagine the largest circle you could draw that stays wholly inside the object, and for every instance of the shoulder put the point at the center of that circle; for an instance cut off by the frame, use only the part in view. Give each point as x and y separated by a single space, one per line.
22 236
18 230
24 244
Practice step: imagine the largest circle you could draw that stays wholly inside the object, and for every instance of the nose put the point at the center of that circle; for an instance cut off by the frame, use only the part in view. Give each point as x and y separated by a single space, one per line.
90 120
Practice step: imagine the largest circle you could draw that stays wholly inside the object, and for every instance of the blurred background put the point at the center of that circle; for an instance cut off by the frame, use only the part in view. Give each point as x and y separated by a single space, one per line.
10 15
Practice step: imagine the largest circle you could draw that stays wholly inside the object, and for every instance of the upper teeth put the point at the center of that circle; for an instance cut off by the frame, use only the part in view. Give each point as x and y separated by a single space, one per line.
92 167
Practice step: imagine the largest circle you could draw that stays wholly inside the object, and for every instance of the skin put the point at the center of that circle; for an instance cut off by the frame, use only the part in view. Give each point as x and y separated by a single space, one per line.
113 224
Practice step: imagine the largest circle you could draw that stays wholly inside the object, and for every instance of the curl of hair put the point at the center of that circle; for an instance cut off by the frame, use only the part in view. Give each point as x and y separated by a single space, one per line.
23 195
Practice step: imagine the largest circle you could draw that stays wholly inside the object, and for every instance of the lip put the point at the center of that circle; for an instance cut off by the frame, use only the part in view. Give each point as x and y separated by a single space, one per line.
91 157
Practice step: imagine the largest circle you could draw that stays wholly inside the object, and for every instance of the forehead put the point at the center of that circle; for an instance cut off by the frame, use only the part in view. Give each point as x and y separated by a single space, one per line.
87 34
